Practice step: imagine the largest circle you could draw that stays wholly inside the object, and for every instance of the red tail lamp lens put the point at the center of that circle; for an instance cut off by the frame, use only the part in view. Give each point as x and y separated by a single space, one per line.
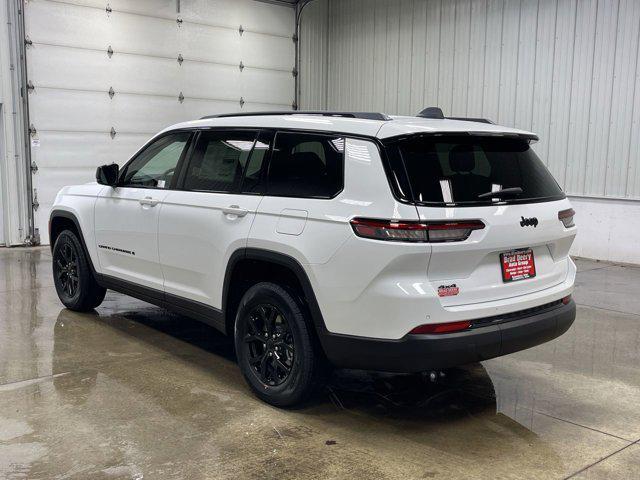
566 300
389 230
415 231
566 217
441 327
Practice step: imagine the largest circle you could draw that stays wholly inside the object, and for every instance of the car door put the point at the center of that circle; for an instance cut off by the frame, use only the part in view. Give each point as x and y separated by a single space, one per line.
209 216
126 216
303 208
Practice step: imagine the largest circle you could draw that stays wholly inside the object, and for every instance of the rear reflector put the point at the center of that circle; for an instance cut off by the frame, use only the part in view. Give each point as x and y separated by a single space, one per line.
566 300
441 327
415 231
566 217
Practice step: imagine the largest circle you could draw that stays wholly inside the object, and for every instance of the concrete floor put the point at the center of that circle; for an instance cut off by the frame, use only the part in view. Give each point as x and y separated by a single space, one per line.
133 392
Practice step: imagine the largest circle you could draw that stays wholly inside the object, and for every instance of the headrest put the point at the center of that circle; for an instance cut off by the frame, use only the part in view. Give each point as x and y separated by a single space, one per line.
461 158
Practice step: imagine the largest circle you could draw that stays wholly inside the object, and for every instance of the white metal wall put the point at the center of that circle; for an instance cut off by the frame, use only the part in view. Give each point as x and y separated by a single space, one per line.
314 55
567 69
167 66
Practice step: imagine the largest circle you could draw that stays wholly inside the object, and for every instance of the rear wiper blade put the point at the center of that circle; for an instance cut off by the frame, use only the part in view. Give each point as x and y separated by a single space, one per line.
499 193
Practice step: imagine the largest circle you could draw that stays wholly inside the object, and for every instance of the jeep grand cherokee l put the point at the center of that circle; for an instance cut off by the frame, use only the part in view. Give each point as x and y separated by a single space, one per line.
359 240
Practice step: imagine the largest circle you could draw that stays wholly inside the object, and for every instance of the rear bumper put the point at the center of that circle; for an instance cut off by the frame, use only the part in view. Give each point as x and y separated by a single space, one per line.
416 353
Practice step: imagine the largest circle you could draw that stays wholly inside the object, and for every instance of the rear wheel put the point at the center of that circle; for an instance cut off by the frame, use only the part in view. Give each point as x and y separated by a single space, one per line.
274 346
75 284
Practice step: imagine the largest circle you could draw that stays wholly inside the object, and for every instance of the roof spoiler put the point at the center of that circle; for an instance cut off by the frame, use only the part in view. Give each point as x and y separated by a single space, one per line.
436 113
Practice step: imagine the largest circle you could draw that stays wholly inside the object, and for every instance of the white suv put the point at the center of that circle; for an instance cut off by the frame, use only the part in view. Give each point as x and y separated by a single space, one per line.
357 240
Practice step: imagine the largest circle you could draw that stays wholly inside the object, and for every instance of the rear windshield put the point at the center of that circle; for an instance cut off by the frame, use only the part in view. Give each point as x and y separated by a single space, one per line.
457 170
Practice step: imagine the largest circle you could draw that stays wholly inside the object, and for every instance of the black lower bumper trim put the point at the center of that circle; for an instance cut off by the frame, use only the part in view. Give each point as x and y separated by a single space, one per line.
416 353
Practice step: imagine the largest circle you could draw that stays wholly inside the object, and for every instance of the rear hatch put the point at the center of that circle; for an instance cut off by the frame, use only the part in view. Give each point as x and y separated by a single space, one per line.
498 180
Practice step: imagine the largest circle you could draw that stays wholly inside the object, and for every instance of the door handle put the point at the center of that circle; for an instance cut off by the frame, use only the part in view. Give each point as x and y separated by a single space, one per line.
152 202
235 210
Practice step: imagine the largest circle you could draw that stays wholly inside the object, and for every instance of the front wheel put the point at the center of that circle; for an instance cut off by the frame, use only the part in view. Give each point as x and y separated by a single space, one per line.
75 284
274 346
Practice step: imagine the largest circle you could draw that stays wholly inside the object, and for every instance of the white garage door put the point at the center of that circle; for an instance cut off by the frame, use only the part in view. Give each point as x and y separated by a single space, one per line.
107 76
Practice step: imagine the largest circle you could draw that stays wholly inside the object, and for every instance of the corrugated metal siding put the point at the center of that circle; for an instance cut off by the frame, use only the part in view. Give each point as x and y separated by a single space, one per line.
567 69
313 46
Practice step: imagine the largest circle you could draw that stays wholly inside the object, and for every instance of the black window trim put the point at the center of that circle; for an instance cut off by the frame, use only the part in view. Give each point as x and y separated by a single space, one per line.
177 182
270 135
317 133
185 153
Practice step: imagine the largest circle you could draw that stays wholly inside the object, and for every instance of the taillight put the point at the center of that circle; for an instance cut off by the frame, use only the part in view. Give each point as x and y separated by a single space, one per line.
441 327
566 217
452 231
390 230
566 300
415 231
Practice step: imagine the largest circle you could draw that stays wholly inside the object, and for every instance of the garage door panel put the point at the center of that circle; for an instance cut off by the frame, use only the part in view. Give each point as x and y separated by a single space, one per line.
220 82
69 111
160 8
144 35
212 81
65 24
90 111
267 51
51 66
251 15
72 68
153 75
73 150
204 43
268 86
72 25
221 45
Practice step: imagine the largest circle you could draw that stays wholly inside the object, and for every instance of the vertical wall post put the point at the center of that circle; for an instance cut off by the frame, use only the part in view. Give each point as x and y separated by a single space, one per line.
33 236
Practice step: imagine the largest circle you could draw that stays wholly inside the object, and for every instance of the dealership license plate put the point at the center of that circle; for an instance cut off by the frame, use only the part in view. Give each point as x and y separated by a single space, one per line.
517 265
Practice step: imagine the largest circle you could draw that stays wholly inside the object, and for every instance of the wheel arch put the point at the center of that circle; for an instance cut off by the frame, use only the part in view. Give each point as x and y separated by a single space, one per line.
60 220
280 264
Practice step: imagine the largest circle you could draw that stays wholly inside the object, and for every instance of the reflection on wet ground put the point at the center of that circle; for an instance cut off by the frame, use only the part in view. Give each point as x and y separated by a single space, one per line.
135 392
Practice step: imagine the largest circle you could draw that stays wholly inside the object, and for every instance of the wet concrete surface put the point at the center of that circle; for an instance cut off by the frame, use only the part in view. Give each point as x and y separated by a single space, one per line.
134 392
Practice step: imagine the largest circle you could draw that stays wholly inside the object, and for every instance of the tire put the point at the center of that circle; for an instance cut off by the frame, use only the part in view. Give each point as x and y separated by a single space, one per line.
291 344
75 284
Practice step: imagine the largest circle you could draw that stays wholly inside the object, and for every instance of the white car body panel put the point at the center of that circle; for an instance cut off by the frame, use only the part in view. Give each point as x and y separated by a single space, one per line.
79 201
126 234
196 238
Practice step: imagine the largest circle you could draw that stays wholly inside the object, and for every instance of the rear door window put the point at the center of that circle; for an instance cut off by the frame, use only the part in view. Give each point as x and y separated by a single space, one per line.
306 165
219 160
461 170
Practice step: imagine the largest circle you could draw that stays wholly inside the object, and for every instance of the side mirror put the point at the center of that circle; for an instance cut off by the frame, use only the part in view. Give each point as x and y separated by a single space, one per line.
108 174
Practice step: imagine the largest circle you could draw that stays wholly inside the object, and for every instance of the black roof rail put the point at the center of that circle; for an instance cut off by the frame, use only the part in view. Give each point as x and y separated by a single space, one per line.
361 115
470 119
436 112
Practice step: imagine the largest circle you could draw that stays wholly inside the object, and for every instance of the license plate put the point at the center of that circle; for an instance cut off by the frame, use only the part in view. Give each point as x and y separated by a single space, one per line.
517 265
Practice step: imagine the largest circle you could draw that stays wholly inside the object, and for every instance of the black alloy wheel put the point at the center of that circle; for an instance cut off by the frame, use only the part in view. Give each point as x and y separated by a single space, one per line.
65 269
275 345
75 283
270 344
